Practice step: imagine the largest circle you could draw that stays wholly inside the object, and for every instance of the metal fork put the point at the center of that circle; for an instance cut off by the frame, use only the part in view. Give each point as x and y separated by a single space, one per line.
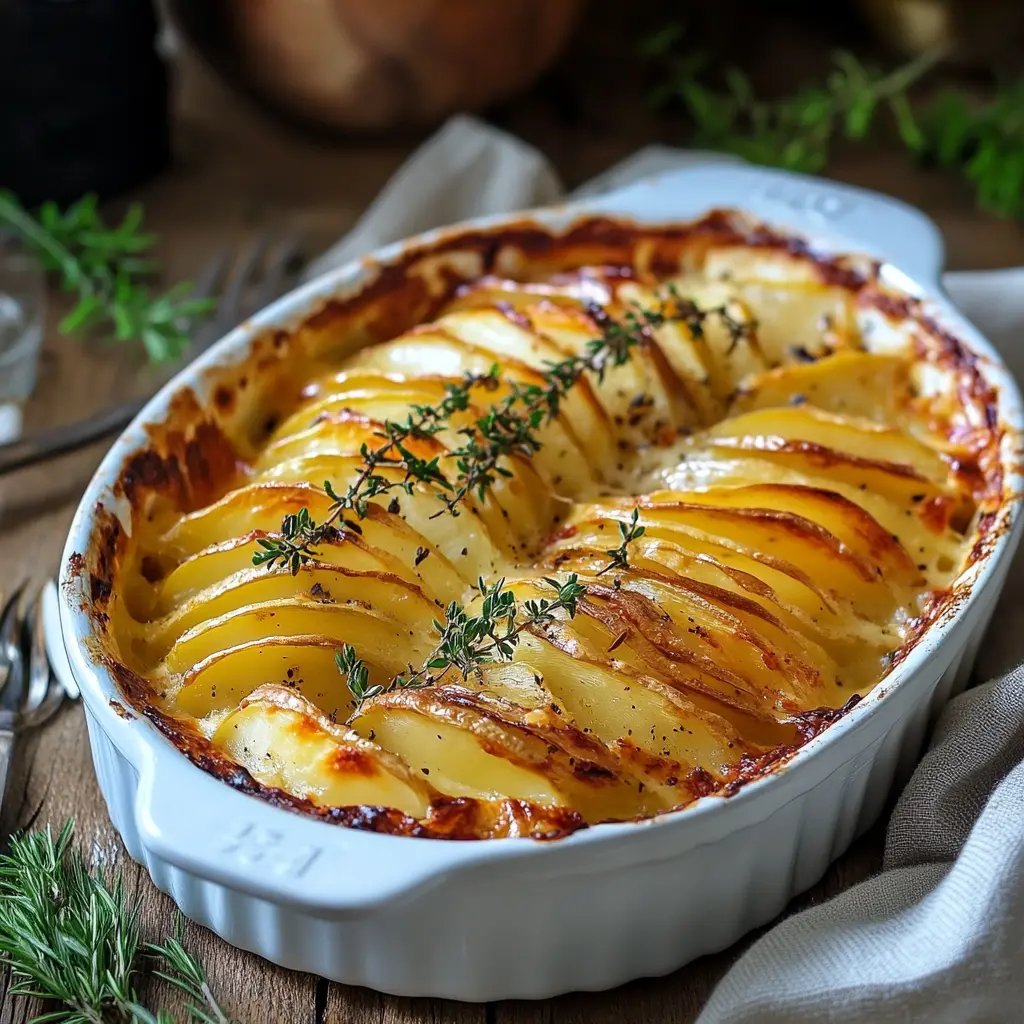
245 281
30 690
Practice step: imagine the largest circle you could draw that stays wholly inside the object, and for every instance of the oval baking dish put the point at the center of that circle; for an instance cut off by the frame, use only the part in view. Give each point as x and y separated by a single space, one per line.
607 903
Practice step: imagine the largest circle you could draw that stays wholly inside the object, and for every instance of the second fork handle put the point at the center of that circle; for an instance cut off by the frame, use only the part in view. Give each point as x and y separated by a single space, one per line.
48 444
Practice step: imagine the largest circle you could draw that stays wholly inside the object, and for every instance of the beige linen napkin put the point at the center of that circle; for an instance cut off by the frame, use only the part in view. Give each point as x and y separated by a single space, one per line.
938 935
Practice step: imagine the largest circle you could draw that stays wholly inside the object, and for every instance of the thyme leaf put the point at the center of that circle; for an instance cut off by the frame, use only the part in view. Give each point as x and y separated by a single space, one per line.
469 642
981 139
508 428
629 532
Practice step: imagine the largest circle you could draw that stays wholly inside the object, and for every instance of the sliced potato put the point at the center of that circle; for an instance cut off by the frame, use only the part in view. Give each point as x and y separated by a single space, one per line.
724 357
218 662
317 587
794 506
470 745
786 540
848 383
904 511
285 742
818 430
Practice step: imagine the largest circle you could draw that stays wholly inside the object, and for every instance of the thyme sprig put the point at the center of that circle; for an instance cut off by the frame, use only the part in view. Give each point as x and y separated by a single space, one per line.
507 429
107 269
510 427
796 131
628 532
300 534
69 936
469 642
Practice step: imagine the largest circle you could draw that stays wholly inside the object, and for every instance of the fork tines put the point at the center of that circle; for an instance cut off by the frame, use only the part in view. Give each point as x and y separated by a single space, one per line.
29 691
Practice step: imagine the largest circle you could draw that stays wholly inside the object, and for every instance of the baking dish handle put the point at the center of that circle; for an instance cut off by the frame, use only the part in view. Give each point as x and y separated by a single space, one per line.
830 215
192 821
176 816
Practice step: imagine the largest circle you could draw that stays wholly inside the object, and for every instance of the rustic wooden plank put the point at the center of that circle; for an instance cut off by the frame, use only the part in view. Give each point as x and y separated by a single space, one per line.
345 1005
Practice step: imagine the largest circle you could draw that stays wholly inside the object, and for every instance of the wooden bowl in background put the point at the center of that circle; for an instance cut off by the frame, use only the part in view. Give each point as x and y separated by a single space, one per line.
377 64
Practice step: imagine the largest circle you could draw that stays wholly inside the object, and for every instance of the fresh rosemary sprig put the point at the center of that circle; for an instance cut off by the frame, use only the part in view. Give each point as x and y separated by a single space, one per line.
983 141
65 935
184 972
106 268
508 428
468 642
68 936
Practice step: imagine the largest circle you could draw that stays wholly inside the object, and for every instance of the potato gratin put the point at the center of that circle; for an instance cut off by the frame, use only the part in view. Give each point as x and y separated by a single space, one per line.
808 493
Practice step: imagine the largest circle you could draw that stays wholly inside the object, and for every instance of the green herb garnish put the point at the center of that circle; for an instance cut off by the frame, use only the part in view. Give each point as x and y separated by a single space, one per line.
69 937
106 268
982 141
469 642
628 532
509 428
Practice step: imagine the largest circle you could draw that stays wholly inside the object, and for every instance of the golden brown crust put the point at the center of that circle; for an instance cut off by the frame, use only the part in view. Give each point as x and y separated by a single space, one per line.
200 451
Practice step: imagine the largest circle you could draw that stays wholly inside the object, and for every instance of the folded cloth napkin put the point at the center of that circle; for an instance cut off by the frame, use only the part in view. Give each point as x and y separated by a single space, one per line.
938 934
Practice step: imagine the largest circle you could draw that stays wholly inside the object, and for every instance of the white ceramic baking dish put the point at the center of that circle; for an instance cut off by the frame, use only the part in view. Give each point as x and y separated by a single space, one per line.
518 918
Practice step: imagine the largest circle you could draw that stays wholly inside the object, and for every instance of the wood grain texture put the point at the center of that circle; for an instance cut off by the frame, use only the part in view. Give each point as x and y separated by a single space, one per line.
235 174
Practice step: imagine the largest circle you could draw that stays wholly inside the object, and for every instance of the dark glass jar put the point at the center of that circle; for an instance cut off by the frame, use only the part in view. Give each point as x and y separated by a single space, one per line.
83 98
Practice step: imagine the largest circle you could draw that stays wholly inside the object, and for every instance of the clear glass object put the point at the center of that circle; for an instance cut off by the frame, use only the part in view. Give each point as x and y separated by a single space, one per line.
22 313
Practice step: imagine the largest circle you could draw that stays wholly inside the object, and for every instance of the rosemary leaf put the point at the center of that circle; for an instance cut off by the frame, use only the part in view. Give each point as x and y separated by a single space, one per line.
64 933
70 937
186 973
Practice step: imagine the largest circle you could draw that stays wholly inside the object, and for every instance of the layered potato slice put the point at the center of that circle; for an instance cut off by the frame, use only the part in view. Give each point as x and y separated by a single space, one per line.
783 592
567 671
710 360
472 745
715 656
283 741
858 449
758 507
507 521
643 397
562 311
283 634
917 522
847 383
576 444
798 315
840 574
258 509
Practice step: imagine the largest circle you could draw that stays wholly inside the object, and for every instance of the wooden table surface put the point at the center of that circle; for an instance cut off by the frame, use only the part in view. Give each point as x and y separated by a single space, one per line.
237 172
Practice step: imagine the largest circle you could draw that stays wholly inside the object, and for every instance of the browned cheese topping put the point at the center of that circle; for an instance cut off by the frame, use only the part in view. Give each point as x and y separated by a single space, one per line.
805 491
